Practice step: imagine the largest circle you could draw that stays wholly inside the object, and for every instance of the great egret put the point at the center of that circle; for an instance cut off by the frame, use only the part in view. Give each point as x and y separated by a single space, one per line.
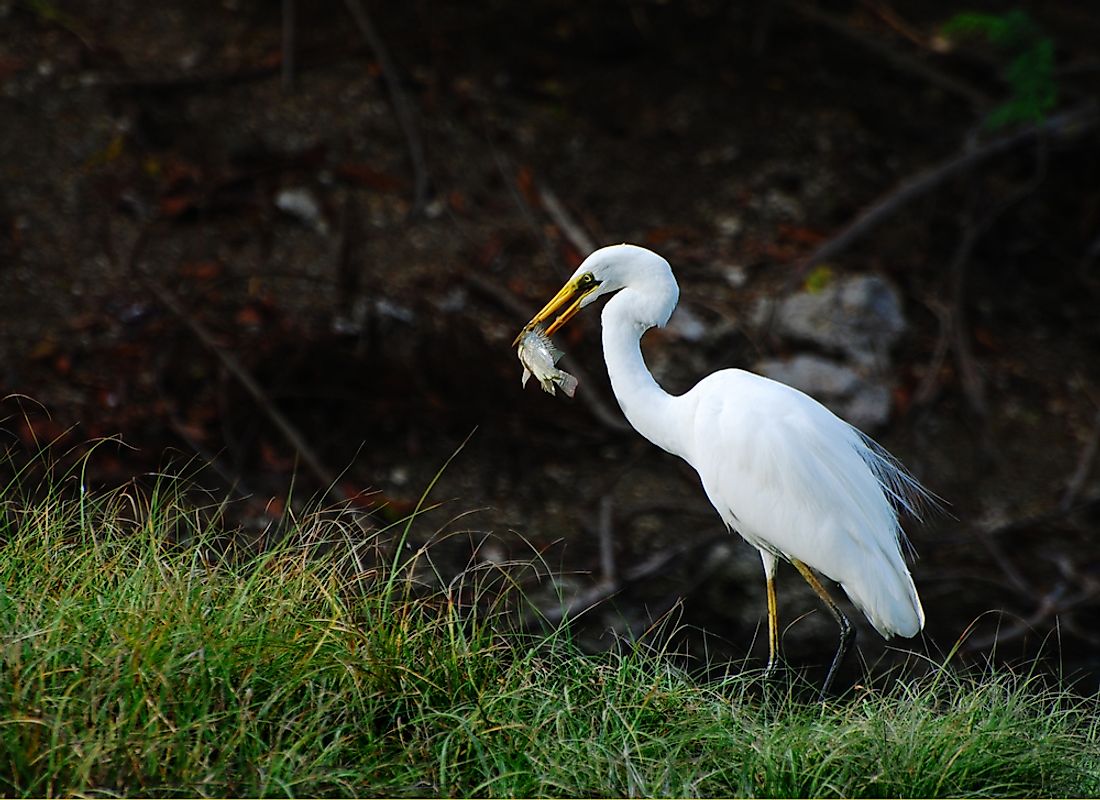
792 478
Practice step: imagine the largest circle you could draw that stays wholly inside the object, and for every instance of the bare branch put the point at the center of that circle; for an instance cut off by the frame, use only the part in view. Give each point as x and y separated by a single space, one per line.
569 227
1084 466
401 106
891 55
1044 517
607 540
252 386
1073 122
290 42
605 589
1051 607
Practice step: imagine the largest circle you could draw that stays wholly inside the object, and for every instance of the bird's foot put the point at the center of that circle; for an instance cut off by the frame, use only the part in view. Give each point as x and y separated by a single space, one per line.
771 670
775 678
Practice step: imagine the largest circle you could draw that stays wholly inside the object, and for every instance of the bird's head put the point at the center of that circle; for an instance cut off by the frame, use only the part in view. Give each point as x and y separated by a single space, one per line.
604 272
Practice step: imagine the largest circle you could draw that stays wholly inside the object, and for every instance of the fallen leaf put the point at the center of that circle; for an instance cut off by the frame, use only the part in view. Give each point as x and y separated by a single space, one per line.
175 205
365 499
986 339
271 60
44 349
273 460
525 182
10 65
819 277
201 270
903 399
800 235
38 431
490 249
366 175
249 317
662 234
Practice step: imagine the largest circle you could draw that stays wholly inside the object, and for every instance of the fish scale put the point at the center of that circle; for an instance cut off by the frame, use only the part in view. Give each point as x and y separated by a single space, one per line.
539 355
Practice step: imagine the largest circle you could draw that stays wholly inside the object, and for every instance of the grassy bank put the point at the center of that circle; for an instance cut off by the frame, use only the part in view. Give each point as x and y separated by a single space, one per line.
143 653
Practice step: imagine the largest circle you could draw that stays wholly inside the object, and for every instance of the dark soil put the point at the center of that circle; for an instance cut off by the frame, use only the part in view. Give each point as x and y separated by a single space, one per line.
150 147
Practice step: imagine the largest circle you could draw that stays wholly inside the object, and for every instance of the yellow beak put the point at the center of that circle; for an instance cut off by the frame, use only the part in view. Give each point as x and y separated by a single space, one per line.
570 292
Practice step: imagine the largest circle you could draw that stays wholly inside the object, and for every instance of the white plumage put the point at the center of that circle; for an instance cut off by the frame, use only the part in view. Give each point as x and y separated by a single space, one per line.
798 482
792 478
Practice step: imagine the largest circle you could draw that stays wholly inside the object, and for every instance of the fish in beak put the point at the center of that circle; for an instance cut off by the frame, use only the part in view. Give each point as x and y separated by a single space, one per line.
570 297
536 351
539 356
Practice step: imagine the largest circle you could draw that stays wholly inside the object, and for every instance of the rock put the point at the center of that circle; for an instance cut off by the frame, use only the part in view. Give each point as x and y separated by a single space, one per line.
302 205
729 225
736 275
685 324
775 204
859 316
861 401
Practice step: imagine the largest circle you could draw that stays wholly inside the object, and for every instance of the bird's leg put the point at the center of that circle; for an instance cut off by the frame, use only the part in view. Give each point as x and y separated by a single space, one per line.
773 631
847 632
770 562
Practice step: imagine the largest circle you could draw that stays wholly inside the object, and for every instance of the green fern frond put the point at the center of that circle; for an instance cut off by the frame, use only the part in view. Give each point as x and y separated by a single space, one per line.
1030 73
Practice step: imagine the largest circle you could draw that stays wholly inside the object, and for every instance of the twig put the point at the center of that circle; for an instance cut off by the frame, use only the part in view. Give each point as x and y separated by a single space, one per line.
1044 517
1088 258
607 540
219 79
1077 120
244 377
1052 605
509 177
1084 466
895 21
1048 606
233 479
53 15
892 56
401 106
236 483
1018 581
957 327
565 222
290 43
763 20
698 577
603 590
190 81
929 386
1071 625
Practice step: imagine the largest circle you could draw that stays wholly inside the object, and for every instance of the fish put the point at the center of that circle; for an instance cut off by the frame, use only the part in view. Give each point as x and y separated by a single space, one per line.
538 354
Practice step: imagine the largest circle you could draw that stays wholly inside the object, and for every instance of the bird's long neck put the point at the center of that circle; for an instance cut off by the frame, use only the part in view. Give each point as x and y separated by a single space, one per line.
646 405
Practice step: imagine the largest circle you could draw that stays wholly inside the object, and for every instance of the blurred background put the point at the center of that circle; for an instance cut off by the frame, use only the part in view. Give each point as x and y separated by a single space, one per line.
283 248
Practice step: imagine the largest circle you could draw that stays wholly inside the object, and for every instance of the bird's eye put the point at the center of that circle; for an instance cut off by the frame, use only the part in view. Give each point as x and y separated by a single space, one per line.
587 280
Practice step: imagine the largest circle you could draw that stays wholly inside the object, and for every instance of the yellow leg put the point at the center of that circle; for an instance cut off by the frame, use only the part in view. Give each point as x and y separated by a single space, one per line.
847 633
773 630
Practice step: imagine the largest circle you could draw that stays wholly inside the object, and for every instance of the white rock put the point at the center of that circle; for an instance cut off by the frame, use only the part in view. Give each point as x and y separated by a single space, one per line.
301 204
686 324
861 401
859 316
736 275
729 225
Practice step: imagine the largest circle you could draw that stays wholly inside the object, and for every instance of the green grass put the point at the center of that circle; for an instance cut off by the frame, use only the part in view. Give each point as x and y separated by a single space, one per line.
143 653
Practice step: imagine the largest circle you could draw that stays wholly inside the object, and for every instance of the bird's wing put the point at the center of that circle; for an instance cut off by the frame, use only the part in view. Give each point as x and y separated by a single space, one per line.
793 478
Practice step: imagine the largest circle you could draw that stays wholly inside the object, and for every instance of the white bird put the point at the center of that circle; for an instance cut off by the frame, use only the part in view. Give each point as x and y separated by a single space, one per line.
788 475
